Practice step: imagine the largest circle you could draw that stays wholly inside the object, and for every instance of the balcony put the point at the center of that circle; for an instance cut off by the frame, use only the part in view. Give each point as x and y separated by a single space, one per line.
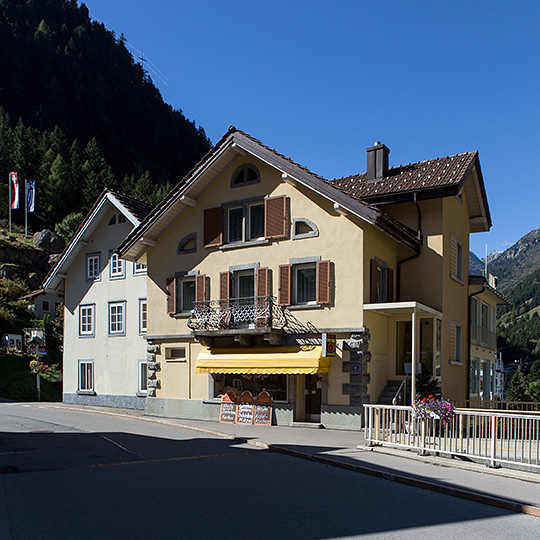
244 318
483 337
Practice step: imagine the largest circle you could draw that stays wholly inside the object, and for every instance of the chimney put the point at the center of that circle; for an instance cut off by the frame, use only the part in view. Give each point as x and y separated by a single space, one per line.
377 161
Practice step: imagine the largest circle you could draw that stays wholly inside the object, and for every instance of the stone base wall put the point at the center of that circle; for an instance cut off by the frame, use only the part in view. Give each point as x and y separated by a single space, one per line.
104 400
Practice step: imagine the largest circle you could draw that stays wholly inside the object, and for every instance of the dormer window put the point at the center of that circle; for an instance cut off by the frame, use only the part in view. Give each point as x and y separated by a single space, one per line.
245 174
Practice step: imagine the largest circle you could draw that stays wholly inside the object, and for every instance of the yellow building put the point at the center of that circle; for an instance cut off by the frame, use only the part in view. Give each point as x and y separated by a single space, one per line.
486 376
253 259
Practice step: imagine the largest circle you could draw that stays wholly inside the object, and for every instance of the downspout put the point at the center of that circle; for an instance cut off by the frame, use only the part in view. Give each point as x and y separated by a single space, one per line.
469 335
414 256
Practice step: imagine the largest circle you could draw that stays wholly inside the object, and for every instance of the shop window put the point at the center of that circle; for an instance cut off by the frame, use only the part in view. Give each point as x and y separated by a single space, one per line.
275 384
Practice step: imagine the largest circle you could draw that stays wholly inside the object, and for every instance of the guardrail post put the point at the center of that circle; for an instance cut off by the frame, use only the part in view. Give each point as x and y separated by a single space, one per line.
493 464
423 438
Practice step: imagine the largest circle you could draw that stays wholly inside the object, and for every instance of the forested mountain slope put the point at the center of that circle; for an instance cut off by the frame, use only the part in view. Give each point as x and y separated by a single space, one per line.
77 113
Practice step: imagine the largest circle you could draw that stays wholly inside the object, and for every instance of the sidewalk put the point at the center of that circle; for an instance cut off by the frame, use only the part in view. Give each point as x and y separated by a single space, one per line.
504 488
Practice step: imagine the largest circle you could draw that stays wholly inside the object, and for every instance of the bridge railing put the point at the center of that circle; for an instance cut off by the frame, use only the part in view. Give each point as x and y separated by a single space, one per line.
495 437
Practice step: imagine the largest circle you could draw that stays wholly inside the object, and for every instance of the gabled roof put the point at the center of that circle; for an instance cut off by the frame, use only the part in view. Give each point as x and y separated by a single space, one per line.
233 144
437 177
131 208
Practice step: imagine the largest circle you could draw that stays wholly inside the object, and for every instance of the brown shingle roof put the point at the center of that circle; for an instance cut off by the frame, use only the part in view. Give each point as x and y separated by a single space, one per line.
423 175
139 209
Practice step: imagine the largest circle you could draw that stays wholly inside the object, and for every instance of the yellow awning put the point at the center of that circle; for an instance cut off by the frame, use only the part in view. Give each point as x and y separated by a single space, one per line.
289 360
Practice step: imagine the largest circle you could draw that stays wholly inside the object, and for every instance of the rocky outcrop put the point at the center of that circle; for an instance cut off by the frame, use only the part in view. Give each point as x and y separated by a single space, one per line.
49 241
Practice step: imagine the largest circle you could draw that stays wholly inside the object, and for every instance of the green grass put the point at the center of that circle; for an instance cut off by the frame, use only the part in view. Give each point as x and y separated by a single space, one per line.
19 384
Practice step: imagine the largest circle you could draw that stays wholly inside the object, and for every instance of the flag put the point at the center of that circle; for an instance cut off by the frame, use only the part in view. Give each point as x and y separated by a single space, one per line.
14 187
30 195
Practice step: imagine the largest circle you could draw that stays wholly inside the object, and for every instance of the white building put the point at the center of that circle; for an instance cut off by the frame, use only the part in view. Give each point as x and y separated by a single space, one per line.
104 308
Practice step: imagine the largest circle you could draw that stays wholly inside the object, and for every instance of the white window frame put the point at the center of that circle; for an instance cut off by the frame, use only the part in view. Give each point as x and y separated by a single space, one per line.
85 387
87 313
119 324
181 281
139 269
117 267
143 316
143 378
295 268
93 267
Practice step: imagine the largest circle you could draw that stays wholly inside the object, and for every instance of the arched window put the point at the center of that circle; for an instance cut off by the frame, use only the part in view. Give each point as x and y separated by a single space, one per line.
245 174
188 244
304 228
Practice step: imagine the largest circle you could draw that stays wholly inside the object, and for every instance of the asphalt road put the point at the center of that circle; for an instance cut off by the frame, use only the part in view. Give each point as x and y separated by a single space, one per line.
67 474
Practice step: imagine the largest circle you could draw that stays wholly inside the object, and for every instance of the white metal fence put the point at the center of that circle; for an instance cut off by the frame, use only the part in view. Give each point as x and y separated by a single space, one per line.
497 437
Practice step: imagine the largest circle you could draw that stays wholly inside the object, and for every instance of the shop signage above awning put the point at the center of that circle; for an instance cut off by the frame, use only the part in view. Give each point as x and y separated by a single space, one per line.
288 360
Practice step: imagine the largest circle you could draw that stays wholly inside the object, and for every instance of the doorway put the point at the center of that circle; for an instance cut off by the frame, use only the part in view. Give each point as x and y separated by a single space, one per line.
313 397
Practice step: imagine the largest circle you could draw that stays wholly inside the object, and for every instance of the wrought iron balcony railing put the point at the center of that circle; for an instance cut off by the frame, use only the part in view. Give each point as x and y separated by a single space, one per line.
237 313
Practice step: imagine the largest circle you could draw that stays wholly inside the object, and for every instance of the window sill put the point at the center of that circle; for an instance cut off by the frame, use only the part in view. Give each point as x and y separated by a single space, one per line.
456 363
86 336
249 243
304 306
181 315
86 393
116 278
142 394
455 278
123 334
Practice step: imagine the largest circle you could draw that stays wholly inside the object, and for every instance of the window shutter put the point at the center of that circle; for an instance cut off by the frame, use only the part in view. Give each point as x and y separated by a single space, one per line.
171 295
323 282
200 288
263 284
213 226
373 282
452 342
390 289
275 217
224 285
453 257
284 291
262 306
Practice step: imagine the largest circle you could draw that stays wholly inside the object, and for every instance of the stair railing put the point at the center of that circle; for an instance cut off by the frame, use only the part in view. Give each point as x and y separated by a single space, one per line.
402 389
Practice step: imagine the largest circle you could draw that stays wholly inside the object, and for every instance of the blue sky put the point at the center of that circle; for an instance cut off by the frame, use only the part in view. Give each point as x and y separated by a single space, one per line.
320 80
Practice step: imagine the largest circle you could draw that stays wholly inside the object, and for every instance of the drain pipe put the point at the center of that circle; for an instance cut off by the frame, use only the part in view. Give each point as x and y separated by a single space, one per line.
415 255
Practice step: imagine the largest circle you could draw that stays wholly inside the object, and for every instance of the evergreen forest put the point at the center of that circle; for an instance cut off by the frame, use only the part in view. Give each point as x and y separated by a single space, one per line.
78 114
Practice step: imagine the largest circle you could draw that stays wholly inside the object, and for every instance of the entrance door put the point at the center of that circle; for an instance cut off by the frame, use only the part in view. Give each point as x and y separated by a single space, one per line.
313 397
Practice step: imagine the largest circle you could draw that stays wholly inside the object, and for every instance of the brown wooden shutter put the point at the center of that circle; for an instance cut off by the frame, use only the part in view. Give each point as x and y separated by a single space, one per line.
284 291
390 289
213 226
262 276
224 285
262 304
200 288
171 295
323 282
275 217
373 276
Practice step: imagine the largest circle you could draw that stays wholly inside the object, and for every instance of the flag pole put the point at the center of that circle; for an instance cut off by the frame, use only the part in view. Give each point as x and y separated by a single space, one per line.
9 181
25 208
